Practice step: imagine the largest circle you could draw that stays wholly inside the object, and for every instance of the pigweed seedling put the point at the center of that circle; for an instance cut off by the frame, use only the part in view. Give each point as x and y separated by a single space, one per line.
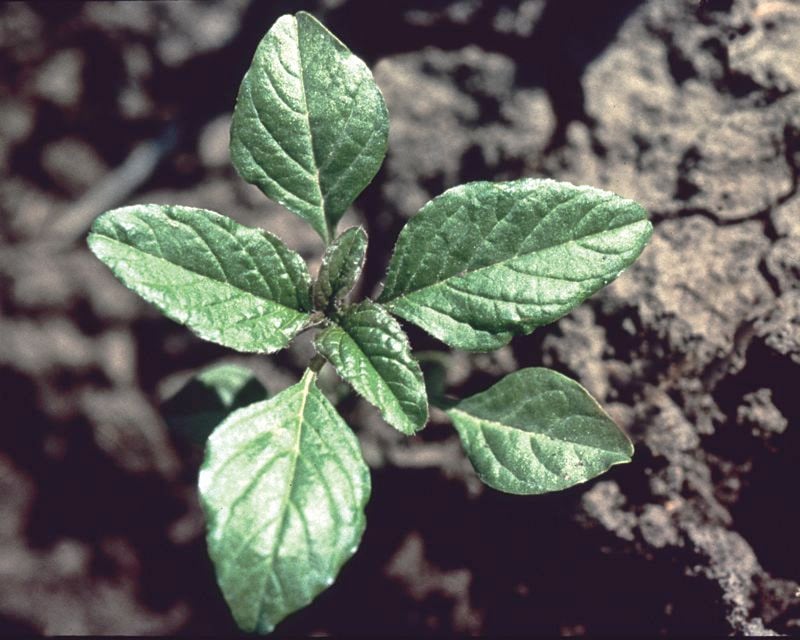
283 483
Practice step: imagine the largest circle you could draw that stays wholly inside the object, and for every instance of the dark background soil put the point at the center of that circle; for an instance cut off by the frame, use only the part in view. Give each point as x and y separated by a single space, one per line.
692 107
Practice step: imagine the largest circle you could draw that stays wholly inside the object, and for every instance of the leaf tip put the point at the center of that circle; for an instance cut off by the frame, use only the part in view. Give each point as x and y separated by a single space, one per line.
262 627
629 450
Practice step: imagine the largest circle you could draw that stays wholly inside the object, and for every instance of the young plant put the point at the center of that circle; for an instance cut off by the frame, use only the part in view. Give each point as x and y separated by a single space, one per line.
283 483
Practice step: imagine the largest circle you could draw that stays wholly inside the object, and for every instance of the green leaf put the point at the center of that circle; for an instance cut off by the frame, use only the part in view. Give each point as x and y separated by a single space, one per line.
310 126
484 261
236 286
537 431
209 397
284 488
341 266
370 351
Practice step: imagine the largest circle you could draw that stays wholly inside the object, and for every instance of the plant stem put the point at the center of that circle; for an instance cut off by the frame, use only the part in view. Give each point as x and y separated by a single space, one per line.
317 362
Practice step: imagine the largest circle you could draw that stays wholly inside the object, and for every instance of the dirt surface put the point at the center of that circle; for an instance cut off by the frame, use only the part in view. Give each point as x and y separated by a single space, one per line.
692 107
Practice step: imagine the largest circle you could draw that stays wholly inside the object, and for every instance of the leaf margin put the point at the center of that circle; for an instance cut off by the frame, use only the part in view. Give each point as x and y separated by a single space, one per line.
482 335
123 219
207 480
319 218
463 421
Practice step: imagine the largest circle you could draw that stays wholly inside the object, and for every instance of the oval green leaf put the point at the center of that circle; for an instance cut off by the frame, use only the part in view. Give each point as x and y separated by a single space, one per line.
537 431
209 397
310 127
484 261
341 266
370 351
239 287
284 488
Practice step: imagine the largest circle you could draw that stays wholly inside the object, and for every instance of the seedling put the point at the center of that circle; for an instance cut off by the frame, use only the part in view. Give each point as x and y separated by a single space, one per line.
283 484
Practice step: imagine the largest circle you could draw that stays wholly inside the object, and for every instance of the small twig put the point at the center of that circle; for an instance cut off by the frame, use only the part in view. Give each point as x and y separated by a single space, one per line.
112 190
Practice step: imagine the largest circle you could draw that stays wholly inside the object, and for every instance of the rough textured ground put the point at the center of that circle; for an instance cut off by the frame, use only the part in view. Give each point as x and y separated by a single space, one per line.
691 107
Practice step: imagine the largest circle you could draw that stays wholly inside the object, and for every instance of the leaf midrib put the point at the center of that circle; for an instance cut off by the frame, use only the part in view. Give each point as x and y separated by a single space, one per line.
335 278
467 273
196 273
295 455
326 278
322 203
505 427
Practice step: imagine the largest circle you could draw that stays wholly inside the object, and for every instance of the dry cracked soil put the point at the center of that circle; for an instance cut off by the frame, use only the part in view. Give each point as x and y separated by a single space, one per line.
691 107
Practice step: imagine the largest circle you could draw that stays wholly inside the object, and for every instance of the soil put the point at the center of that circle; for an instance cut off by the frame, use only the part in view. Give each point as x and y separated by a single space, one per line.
691 107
